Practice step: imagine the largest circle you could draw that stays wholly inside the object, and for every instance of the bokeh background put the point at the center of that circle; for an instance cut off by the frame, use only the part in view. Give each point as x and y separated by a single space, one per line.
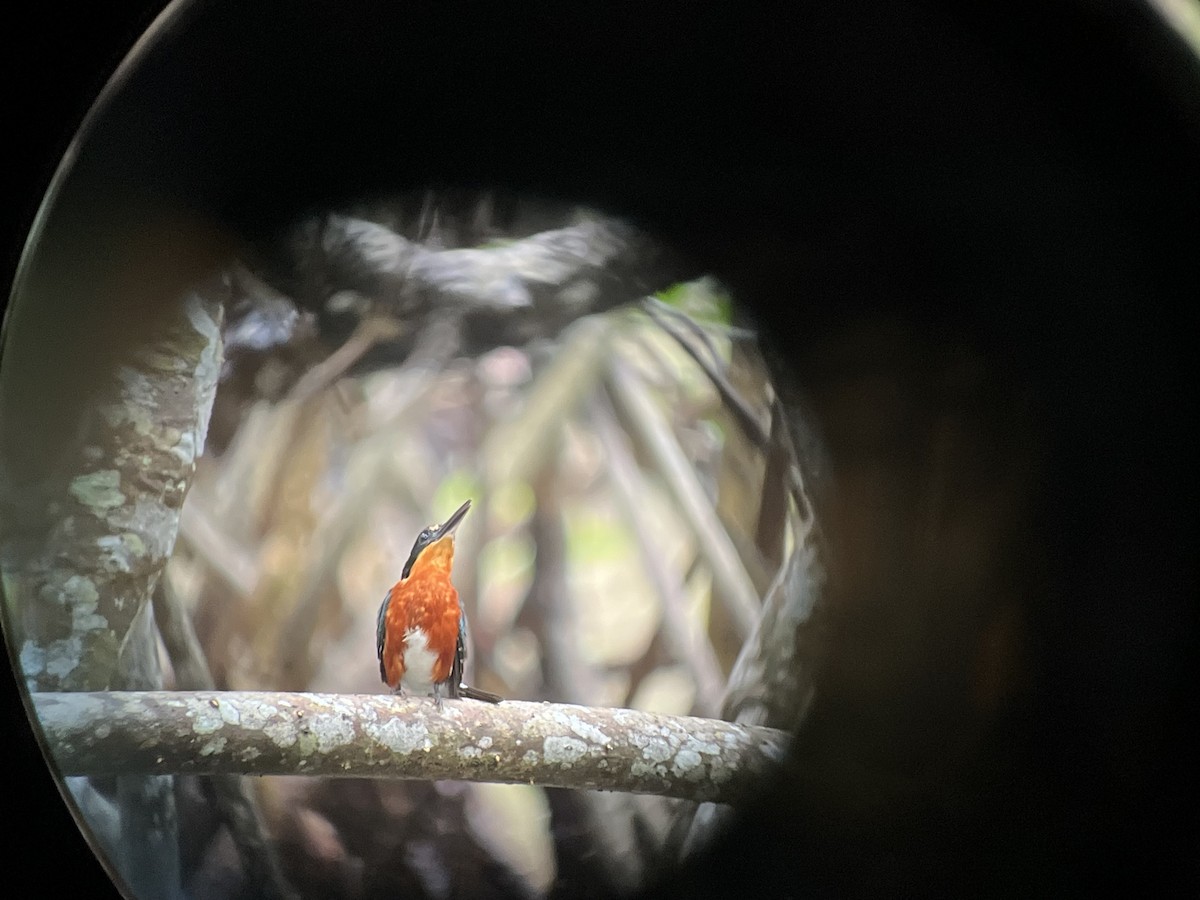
608 480
909 196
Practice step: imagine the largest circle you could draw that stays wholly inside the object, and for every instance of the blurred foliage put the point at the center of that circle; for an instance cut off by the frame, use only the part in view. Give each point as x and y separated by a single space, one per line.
592 540
319 500
704 300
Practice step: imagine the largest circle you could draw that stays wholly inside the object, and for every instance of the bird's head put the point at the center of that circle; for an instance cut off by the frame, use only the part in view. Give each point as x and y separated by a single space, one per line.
436 541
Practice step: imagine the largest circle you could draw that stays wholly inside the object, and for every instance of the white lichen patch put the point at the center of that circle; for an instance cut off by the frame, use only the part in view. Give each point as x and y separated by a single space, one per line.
688 764
530 758
563 751
485 742
62 657
98 490
249 714
470 752
184 448
117 414
696 745
656 749
116 554
331 731
250 753
282 733
640 769
81 595
586 730
400 736
137 388
152 521
214 745
33 662
206 717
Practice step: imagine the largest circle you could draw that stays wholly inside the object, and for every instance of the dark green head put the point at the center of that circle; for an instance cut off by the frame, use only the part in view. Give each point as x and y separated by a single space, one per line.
434 533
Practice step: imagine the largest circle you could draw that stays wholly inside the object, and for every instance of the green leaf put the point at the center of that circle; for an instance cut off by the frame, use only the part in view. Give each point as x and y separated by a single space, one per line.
705 300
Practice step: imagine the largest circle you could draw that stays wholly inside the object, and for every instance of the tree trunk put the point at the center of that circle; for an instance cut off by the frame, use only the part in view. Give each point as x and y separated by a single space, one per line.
90 526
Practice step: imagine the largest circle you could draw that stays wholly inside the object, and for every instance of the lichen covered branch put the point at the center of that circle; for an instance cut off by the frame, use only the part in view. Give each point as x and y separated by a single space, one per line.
370 735
114 527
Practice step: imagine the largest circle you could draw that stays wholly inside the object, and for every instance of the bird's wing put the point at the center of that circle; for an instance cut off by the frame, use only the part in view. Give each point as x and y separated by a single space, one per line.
457 668
381 632
457 688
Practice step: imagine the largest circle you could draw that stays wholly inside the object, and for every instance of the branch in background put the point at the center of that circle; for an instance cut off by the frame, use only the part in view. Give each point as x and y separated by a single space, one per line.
234 799
507 294
371 331
771 529
147 853
550 606
686 640
519 448
293 646
374 735
220 554
183 647
738 407
732 583
654 657
566 675
773 682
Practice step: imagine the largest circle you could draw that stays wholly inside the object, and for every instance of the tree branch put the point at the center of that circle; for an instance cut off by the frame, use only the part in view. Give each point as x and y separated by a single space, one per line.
733 584
711 365
688 642
234 797
374 735
347 269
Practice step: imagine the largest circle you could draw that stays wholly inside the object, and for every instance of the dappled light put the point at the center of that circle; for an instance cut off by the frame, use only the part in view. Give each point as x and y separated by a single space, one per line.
616 554
630 512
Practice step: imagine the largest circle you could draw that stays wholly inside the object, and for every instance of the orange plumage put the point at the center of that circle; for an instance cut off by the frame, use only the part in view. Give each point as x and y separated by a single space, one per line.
420 632
425 601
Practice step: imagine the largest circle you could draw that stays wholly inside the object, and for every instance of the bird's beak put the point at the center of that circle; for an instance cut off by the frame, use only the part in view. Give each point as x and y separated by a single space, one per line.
451 523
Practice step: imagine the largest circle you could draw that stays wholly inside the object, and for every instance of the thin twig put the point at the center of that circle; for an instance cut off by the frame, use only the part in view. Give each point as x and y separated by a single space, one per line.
738 407
371 331
657 310
733 332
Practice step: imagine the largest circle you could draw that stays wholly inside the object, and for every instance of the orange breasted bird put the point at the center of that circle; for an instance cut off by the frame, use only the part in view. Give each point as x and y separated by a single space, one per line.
420 635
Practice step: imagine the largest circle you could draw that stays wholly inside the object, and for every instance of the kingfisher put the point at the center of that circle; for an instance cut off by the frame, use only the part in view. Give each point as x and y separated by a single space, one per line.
421 631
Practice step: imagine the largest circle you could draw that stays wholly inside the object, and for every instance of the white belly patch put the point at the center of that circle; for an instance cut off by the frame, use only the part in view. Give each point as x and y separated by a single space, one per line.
419 661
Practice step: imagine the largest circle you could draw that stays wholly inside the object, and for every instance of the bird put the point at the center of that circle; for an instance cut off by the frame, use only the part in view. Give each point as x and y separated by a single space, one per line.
421 629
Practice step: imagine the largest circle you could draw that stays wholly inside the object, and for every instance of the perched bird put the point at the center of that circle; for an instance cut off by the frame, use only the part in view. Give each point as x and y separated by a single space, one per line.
421 632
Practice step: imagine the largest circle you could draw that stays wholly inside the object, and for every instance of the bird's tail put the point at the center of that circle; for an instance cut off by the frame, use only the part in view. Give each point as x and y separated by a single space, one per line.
476 694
